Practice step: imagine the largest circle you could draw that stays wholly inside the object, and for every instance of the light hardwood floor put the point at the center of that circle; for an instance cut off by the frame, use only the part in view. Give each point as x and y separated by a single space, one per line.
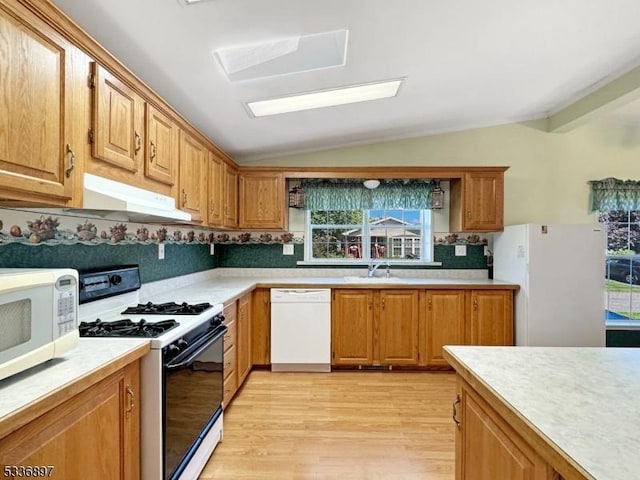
341 425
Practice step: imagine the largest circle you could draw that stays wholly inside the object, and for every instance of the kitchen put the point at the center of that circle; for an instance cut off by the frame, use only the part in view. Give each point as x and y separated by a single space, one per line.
546 182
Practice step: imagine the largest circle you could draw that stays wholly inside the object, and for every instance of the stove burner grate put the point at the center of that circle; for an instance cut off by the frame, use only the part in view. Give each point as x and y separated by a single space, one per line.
169 308
125 328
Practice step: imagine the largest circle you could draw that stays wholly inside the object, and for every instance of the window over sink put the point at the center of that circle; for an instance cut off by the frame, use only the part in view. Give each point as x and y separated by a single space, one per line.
369 235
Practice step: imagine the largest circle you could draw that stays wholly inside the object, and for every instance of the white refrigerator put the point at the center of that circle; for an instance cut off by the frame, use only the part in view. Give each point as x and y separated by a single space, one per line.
560 270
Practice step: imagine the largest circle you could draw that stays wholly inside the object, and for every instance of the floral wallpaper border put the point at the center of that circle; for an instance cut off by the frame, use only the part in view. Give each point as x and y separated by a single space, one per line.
43 229
451 238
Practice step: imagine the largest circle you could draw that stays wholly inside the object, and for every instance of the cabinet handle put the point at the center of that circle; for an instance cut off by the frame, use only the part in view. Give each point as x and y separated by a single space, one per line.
429 303
72 161
132 399
383 303
469 214
454 407
153 151
138 142
184 198
475 303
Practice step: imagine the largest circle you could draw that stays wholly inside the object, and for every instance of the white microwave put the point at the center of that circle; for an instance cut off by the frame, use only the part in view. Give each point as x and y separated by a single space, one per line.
38 316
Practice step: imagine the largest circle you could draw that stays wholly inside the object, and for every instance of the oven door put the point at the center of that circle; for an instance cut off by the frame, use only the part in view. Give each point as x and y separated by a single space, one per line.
193 385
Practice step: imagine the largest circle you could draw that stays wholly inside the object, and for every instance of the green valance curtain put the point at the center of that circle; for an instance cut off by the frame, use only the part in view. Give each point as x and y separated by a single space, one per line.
351 194
612 194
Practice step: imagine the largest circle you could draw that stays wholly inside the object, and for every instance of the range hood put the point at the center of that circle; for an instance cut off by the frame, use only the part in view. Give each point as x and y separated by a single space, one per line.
118 201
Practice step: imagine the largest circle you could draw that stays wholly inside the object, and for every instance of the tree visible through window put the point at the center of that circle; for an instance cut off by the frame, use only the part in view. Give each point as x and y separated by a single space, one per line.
368 235
622 263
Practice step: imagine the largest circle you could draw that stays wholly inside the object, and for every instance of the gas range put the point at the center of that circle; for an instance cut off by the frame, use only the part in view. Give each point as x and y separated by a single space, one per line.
186 363
110 306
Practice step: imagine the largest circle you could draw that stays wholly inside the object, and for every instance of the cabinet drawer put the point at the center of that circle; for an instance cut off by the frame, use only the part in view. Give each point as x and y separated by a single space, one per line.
229 362
230 336
230 386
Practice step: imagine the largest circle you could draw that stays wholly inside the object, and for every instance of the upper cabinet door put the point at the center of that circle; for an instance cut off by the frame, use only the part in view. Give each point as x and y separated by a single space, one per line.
162 146
230 219
483 201
215 191
262 200
116 121
36 154
192 196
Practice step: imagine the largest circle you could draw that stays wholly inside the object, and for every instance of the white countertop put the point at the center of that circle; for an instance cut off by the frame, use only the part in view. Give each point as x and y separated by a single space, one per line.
583 400
212 287
22 389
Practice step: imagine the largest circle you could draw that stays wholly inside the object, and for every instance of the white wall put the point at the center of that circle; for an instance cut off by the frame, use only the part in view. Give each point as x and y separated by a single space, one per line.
548 172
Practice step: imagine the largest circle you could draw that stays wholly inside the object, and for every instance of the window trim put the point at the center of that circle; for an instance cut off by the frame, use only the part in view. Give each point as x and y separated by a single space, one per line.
426 243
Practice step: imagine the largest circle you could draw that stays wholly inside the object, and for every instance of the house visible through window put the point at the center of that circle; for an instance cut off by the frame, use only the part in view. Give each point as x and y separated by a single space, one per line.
622 271
369 235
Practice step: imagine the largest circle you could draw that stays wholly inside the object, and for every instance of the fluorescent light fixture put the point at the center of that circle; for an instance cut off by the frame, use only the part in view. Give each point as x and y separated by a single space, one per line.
190 2
326 98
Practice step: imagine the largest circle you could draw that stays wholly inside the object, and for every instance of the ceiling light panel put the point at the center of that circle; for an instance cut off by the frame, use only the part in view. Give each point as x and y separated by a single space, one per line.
284 56
326 98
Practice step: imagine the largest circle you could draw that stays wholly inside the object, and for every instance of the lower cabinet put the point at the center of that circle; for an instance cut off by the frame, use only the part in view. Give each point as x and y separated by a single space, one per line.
489 317
244 337
93 435
444 324
488 448
237 346
374 327
409 327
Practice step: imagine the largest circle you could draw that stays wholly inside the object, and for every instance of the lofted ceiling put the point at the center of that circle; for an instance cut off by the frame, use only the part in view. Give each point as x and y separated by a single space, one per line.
466 64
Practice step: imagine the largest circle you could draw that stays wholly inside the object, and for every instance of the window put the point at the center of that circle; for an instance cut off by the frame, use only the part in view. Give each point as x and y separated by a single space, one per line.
622 266
368 235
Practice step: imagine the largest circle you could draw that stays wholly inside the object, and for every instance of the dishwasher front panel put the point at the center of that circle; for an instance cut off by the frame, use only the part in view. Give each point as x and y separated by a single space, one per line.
301 330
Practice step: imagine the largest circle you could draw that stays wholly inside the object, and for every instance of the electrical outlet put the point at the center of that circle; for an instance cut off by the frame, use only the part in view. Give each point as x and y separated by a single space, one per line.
486 250
287 249
212 249
461 250
161 251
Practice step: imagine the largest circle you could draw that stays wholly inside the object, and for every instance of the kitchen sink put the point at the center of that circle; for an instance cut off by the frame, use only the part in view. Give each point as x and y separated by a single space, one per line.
366 279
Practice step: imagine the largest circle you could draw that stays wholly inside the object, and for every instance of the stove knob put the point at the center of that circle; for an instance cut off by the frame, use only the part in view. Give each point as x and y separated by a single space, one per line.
172 351
181 344
115 279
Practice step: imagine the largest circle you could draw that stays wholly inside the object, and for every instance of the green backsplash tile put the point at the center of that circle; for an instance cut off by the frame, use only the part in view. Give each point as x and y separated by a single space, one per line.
270 256
180 259
474 259
256 255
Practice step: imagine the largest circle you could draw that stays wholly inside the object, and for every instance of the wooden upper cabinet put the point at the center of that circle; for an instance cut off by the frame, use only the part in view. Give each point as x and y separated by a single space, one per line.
161 152
490 318
262 200
215 191
477 201
192 191
398 327
37 154
117 122
230 211
445 315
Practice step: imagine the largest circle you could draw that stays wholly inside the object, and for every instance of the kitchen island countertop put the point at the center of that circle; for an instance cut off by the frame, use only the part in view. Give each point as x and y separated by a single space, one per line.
56 380
581 403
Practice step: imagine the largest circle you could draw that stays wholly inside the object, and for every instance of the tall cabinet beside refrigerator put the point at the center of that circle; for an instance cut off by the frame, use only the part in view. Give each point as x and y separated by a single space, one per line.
560 270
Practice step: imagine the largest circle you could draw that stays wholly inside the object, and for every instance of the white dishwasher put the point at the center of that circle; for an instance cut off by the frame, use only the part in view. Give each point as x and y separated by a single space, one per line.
300 330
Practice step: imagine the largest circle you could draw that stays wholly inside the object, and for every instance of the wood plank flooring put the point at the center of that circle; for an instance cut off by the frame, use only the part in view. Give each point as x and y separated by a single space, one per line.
340 425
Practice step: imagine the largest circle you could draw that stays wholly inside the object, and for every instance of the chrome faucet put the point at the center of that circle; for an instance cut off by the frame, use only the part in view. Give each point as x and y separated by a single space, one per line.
374 266
372 269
